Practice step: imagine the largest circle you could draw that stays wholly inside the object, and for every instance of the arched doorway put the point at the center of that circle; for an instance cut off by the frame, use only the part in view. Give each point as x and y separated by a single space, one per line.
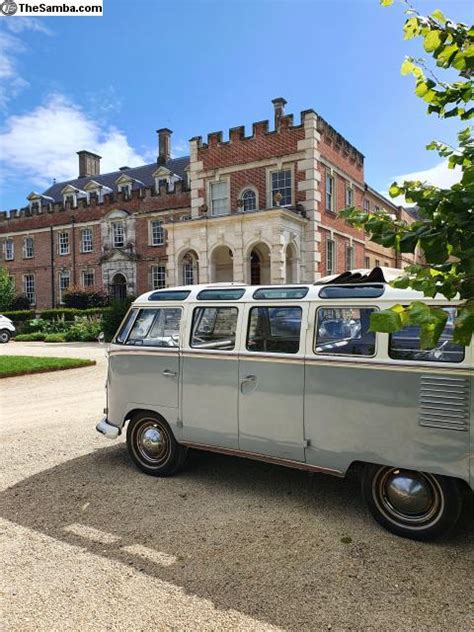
118 287
222 264
291 264
189 268
259 262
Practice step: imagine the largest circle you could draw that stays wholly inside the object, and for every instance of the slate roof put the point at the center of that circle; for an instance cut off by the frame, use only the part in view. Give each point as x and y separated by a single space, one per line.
143 175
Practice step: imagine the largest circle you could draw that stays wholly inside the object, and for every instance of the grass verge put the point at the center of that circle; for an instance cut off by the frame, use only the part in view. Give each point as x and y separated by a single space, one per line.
11 366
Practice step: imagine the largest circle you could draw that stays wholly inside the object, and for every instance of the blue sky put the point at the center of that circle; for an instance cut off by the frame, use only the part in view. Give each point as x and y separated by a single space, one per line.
107 83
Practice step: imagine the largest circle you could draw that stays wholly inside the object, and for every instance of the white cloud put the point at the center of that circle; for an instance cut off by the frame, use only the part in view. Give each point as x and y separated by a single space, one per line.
439 175
11 46
42 144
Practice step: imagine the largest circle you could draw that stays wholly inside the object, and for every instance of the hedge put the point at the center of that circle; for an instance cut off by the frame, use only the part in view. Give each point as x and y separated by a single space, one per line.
20 315
70 312
55 338
37 336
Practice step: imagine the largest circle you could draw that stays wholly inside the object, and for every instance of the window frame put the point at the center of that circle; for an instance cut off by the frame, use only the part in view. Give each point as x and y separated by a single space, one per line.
83 275
64 244
350 256
337 356
202 308
156 267
6 250
152 232
271 192
28 253
331 240
301 352
349 193
330 192
424 361
130 319
118 223
223 182
87 230
61 276
31 276
249 189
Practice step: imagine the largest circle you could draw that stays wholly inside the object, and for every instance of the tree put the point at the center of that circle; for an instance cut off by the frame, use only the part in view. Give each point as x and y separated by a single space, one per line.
444 231
7 290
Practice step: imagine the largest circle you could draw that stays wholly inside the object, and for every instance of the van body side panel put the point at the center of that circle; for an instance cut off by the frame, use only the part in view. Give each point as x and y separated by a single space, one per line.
142 379
271 407
355 413
209 400
471 459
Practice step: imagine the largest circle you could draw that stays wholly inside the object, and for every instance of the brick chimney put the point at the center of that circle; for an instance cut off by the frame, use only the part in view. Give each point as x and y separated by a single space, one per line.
89 164
279 105
164 145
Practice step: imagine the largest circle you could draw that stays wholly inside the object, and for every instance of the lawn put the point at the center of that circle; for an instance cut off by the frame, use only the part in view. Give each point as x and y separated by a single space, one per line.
23 365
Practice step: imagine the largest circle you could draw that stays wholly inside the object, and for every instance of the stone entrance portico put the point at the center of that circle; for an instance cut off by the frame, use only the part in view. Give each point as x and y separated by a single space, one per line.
237 247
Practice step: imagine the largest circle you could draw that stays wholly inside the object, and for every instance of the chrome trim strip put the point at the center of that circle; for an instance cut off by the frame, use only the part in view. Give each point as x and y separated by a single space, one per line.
256 456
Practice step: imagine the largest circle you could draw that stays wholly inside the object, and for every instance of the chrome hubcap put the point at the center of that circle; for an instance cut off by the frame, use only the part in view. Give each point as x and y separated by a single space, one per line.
3 337
152 442
408 497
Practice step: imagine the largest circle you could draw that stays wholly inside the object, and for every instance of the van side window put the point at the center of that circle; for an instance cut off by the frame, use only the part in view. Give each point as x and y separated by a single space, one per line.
405 344
125 330
214 328
344 331
274 329
156 328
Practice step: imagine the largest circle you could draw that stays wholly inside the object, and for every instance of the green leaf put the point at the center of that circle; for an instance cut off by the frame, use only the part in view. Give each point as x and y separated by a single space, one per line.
432 321
464 325
439 15
408 242
432 41
407 67
394 190
386 3
387 321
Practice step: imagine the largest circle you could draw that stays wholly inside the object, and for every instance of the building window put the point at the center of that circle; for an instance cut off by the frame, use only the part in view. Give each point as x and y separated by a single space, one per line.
190 269
281 183
349 195
330 256
64 281
9 250
161 182
34 206
63 243
86 240
70 199
29 288
367 262
88 278
126 190
349 257
29 248
377 263
157 232
219 198
377 208
158 277
249 200
367 205
118 234
330 188
94 196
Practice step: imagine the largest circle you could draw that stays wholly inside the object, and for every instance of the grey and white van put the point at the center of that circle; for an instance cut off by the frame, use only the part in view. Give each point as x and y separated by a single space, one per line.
7 329
294 376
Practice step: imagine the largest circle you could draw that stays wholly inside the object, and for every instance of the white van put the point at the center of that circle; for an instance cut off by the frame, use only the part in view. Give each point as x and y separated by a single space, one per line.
293 375
7 329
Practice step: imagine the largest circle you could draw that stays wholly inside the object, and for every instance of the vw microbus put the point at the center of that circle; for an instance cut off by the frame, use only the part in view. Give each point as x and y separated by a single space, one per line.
294 376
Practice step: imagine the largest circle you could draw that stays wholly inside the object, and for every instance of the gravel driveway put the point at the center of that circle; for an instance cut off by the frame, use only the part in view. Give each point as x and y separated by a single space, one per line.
90 543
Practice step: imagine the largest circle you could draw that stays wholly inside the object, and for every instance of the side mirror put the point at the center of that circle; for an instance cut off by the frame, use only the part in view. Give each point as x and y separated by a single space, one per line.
101 338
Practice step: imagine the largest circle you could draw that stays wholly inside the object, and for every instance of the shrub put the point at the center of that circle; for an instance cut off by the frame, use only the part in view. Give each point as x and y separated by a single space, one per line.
55 338
7 289
114 316
19 316
37 336
20 302
80 298
84 329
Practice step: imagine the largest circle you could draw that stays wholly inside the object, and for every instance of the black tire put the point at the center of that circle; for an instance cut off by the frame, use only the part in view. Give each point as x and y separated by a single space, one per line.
411 504
158 453
5 336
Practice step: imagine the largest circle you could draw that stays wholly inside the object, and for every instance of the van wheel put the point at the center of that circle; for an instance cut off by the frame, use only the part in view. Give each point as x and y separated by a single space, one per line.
152 445
4 336
411 504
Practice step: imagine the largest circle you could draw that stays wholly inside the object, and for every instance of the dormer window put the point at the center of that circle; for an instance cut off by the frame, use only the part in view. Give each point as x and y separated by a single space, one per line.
93 197
126 190
34 206
70 198
162 182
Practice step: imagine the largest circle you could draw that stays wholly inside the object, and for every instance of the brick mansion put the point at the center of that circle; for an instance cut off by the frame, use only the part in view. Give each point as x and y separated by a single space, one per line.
259 208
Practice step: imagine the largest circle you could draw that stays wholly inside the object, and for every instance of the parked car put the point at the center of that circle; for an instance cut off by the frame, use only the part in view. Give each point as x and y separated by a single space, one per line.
7 329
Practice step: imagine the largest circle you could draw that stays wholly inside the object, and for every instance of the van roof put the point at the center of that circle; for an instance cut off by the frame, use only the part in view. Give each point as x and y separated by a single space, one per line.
362 283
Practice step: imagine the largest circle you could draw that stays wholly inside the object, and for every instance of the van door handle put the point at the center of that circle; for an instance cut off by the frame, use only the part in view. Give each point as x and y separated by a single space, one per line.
168 373
249 378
